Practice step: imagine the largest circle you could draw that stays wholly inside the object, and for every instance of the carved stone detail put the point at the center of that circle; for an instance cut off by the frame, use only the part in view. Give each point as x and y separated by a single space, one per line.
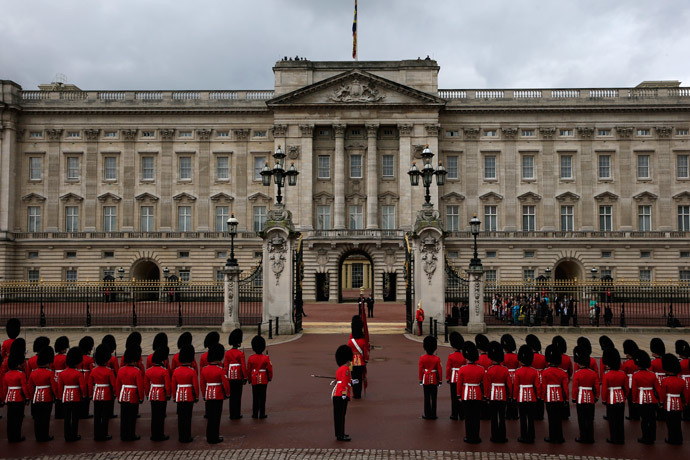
92 134
230 296
129 134
405 129
432 129
306 130
417 151
585 132
429 251
510 133
663 131
54 134
356 91
277 248
241 134
279 130
322 258
427 217
471 134
624 132
293 151
547 132
167 134
339 130
204 134
372 130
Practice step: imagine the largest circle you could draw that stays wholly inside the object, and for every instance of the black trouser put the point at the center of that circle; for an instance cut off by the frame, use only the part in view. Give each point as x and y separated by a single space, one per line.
526 421
70 412
357 374
633 409
236 399
686 413
497 409
41 413
184 420
430 393
84 407
370 311
158 420
472 419
555 413
675 434
339 411
110 407
128 420
456 409
539 410
616 415
214 409
101 418
585 421
259 400
15 417
648 421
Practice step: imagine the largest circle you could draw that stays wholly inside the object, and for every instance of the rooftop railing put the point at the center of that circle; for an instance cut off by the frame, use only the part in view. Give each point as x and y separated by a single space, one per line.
559 94
146 96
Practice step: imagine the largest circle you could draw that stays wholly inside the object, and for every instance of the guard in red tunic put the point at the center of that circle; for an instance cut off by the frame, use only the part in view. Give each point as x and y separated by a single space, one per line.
497 388
566 365
430 377
86 346
260 371
16 391
470 379
419 318
586 345
604 343
455 361
130 393
525 391
185 388
614 391
158 387
683 351
538 363
159 341
110 341
673 396
13 328
482 343
211 339
360 353
629 367
184 339
510 361
59 365
134 341
236 370
43 388
71 390
342 391
554 392
645 389
32 363
585 395
658 349
102 384
215 388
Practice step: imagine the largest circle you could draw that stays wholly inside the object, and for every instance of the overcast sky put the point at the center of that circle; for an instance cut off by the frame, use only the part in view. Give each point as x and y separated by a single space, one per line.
232 44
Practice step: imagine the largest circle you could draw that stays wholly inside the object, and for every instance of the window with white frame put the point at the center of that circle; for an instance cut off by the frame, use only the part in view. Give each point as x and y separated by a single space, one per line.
71 275
491 218
220 276
388 166
225 133
34 275
388 217
356 221
184 218
259 218
110 168
185 275
110 134
489 167
527 167
606 218
260 133
682 132
683 275
72 168
566 133
109 218
452 167
35 168
36 134
148 134
643 132
603 132
146 221
643 167
34 219
606 273
604 166
222 167
529 218
527 274
490 275
259 163
644 218
452 133
324 167
645 275
682 163
527 133
684 218
452 218
222 214
71 219
490 133
185 168
567 219
73 134
147 168
185 134
566 166
323 217
356 166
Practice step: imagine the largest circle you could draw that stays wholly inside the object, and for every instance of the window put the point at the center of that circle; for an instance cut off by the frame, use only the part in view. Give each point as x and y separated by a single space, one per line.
684 218
605 254
72 218
606 273
489 167
222 213
529 218
645 254
685 254
72 168
452 218
259 218
679 132
109 272
357 278
567 224
220 276
528 166
36 134
356 166
147 168
260 133
324 133
149 134
388 132
645 274
453 254
71 275
452 133
566 166
604 132
388 217
35 168
109 219
323 217
356 217
566 133
528 274
490 276
604 166
110 168
187 134
644 218
222 168
452 167
221 254
71 255
684 275
259 163
108 254
490 254
643 166
682 167
529 255
185 275
183 254
73 134
491 218
527 133
489 133
34 219
33 254
355 132
223 133
34 275
324 171
185 164
110 134
147 219
643 132
388 166
184 218
606 218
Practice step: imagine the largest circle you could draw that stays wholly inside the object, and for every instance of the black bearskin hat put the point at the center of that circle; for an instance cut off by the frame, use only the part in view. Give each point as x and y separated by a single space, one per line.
560 343
629 347
482 342
61 344
160 355
657 347
13 327
581 356
40 343
235 338
258 344
642 359
343 354
18 347
74 357
186 355
132 354
211 339
110 341
357 327
508 343
45 356
184 339
456 340
553 355
670 364
533 342
160 340
133 339
525 355
469 350
612 359
86 344
102 355
682 348
605 342
430 344
583 342
14 361
495 352
216 352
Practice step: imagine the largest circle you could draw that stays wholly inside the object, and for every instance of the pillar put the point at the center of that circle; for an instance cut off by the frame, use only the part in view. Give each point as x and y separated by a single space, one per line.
429 272
305 178
231 291
372 178
340 175
476 323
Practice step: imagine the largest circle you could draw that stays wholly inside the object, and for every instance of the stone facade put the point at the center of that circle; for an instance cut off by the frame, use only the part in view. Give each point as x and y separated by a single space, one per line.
566 179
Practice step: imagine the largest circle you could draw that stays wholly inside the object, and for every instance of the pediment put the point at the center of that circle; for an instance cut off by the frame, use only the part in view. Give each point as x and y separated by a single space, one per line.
606 196
529 196
258 196
568 196
222 197
388 196
354 195
680 196
33 197
184 196
108 196
356 87
146 197
322 195
645 196
71 197
491 196
450 196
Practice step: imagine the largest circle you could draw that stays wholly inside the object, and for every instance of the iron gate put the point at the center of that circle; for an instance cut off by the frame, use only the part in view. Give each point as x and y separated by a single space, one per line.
457 296
298 259
251 291
409 284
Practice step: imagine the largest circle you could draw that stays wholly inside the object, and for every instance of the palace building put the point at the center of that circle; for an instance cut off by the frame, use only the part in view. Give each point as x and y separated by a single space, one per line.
566 179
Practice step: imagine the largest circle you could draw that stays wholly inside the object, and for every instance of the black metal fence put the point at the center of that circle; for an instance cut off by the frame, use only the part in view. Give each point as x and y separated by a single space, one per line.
456 296
251 297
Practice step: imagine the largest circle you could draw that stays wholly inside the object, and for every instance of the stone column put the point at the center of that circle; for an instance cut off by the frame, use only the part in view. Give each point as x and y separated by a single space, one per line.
167 220
340 175
231 276
404 187
8 149
52 181
372 178
546 170
429 279
125 175
130 157
204 177
306 177
665 167
243 179
476 323
588 171
507 170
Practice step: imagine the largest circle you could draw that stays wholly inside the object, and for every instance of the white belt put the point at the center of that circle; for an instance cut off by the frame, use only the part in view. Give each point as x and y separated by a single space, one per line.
124 387
155 385
580 392
641 391
493 389
14 388
214 384
669 398
57 371
611 391
454 374
103 385
185 385
467 388
261 370
68 387
548 391
40 387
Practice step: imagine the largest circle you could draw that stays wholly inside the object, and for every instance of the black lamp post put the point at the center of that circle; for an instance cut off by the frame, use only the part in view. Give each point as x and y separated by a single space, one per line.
232 229
427 173
547 271
474 228
279 173
166 273
121 273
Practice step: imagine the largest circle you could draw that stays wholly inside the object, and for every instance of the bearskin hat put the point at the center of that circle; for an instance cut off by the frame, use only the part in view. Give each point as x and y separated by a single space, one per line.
211 339
160 340
186 355
430 344
581 356
13 327
642 360
553 355
682 348
456 340
482 342
235 338
258 344
612 359
508 343
657 347
102 355
110 341
86 344
14 361
40 343
343 354
495 352
583 342
74 357
629 347
670 364
160 355
61 344
133 339
605 342
525 355
133 354
469 350
184 339
18 347
45 356
560 343
533 342
216 352
357 327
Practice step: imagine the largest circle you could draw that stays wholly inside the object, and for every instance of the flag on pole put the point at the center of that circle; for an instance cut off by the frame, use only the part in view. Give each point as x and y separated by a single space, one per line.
354 34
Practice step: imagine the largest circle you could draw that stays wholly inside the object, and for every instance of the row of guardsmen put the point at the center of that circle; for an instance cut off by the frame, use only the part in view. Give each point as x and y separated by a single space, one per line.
488 380
70 379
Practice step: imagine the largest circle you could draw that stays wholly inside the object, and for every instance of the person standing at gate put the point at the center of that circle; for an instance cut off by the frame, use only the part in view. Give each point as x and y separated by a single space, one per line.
71 390
510 361
497 386
614 390
683 351
419 318
554 392
215 387
360 351
185 387
157 385
470 379
43 388
585 395
674 396
455 361
130 390
539 363
430 377
645 389
59 365
86 346
101 385
525 391
370 305
260 370
341 391
16 392
629 367
236 370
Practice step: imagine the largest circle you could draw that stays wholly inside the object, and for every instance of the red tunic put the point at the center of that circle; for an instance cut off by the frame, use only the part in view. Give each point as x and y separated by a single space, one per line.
567 365
31 365
430 369
343 384
539 361
59 365
185 384
658 369
673 393
497 383
157 383
42 385
101 383
15 386
235 366
484 361
585 386
71 385
260 369
113 364
214 383
629 367
554 385
149 363
86 366
203 361
526 386
614 387
685 373
360 351
5 349
645 387
175 363
130 385
470 380
455 361
419 316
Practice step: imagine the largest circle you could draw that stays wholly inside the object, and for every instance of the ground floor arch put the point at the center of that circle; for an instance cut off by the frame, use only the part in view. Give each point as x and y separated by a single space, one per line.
146 270
568 270
355 275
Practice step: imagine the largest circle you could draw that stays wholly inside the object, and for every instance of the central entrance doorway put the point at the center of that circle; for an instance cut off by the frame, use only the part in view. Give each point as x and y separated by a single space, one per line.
355 275
146 272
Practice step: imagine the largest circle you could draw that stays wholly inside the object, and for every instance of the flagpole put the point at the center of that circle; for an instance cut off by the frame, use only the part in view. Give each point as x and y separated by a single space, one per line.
355 54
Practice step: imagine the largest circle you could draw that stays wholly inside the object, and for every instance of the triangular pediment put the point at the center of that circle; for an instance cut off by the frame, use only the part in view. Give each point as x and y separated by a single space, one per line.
648 196
568 196
323 195
109 196
146 197
258 196
606 196
682 196
184 196
491 196
71 197
453 196
222 197
529 196
356 87
388 196
355 195
33 197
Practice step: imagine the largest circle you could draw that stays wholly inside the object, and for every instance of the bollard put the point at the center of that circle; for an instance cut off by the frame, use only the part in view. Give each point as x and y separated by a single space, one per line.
431 326
445 332
179 314
436 328
134 314
42 319
277 331
88 315
270 329
622 320
258 332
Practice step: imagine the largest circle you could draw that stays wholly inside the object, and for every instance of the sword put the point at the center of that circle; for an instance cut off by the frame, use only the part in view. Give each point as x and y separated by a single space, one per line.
322 377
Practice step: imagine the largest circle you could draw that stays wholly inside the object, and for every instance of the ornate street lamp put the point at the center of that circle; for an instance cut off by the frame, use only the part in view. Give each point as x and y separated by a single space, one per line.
232 229
594 272
166 273
547 272
474 229
279 174
427 173
121 273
